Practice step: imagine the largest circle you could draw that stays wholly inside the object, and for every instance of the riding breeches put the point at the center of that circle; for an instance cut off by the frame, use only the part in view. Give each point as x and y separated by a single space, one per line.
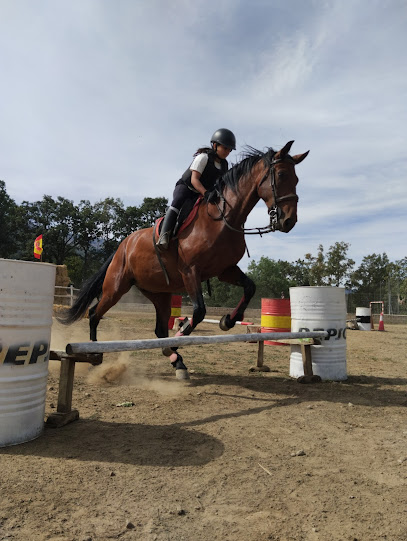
181 194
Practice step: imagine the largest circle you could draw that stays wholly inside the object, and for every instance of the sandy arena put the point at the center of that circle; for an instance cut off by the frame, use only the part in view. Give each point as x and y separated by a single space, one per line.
230 455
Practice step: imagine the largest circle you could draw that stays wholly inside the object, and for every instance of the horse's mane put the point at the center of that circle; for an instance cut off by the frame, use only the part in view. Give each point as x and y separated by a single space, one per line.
249 157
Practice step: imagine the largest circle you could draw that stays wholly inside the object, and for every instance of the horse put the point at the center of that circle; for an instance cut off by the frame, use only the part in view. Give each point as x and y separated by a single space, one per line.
211 246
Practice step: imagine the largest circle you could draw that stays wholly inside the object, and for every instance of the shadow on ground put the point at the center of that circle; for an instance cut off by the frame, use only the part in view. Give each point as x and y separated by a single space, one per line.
128 443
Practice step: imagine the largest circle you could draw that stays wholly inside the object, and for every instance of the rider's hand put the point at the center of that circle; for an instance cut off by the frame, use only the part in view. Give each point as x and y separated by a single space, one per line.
210 196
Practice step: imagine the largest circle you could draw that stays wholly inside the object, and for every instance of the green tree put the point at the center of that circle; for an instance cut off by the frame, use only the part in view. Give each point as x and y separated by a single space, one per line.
87 234
301 273
145 215
370 280
55 219
151 209
222 294
401 277
338 266
8 230
76 270
272 278
108 214
316 267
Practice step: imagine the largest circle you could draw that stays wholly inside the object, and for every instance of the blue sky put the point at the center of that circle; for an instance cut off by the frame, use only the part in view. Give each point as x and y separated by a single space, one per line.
111 98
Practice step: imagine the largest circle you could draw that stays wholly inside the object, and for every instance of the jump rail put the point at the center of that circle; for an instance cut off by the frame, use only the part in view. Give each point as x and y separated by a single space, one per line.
92 352
179 341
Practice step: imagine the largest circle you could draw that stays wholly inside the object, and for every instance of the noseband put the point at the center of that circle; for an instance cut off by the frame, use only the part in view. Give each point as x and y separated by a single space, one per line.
275 211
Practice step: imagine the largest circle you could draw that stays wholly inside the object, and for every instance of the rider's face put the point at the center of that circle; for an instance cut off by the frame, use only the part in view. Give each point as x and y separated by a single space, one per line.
223 152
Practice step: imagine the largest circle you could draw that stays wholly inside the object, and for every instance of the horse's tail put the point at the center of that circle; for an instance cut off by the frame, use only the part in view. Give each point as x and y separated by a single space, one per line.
89 291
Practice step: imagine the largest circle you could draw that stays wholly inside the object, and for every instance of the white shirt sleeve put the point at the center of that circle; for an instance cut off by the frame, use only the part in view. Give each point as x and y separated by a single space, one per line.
199 163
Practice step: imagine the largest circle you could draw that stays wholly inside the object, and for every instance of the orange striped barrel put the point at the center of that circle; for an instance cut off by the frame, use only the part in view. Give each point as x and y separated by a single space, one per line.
176 303
275 317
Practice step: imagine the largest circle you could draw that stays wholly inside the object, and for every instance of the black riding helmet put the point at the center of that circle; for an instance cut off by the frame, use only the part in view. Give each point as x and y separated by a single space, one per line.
224 137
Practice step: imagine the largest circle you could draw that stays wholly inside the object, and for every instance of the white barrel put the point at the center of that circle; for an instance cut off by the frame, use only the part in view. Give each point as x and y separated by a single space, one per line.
363 319
320 308
26 300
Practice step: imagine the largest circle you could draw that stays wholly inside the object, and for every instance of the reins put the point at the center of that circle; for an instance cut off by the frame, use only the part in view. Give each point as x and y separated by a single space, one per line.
274 211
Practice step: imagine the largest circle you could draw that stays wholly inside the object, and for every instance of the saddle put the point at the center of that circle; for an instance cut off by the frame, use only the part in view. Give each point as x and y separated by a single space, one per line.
186 215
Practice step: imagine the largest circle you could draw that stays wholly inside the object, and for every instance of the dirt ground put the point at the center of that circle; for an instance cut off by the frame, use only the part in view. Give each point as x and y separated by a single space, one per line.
229 455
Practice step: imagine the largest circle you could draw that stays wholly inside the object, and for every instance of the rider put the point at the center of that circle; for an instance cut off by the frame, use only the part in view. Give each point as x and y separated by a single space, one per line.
199 179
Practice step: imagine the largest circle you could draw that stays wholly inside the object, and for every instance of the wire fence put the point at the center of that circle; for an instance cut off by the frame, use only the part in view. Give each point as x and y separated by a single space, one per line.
393 305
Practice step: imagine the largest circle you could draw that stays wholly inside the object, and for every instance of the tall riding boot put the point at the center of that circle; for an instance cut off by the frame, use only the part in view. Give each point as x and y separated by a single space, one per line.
168 225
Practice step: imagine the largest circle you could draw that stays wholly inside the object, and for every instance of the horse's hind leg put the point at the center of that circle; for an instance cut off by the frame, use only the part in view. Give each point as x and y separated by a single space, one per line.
235 276
162 304
192 283
115 285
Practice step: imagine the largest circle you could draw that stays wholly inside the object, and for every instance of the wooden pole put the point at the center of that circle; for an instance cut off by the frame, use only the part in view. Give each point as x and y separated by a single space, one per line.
179 341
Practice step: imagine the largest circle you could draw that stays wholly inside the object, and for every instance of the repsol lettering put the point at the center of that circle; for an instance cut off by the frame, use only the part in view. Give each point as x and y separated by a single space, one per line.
25 353
336 334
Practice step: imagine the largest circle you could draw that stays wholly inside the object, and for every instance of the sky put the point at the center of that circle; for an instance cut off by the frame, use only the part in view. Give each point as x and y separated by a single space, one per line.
102 98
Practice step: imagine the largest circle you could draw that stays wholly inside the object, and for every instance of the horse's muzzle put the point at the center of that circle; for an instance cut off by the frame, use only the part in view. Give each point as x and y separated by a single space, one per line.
288 224
279 222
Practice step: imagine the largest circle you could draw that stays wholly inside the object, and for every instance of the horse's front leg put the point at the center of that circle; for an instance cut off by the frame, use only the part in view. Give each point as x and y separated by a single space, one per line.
162 304
192 283
234 276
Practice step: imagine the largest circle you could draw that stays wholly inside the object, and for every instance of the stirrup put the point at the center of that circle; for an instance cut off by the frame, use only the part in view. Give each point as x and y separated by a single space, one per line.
164 241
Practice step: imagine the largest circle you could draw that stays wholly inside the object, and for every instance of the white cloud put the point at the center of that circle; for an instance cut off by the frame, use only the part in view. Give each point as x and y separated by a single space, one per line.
100 99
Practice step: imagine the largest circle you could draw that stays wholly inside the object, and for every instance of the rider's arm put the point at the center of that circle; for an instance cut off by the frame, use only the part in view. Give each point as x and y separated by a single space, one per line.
196 183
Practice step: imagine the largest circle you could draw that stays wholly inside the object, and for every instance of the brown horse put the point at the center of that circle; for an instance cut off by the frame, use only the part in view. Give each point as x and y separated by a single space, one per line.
210 246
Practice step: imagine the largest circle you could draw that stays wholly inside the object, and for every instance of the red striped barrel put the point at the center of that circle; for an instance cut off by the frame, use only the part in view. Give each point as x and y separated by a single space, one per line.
176 303
275 317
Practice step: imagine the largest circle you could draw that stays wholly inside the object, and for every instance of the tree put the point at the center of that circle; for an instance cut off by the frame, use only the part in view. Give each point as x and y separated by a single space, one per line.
338 266
369 281
316 267
143 216
108 215
8 229
401 276
87 234
272 278
301 273
151 209
55 220
222 294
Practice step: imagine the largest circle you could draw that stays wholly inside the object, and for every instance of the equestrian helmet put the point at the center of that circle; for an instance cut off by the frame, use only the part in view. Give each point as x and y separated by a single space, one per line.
224 137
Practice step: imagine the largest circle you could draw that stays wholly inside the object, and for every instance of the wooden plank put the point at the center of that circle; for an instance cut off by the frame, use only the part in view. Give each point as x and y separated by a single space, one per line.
260 354
66 385
300 341
91 358
306 359
180 341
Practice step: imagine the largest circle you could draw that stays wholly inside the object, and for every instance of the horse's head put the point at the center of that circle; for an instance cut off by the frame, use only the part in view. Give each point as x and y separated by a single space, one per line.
277 188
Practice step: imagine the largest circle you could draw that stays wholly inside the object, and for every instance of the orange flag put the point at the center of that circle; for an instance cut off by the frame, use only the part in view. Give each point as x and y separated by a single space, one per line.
38 247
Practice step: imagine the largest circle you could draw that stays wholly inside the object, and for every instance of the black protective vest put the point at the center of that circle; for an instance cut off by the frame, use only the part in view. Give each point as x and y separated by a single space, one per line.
209 176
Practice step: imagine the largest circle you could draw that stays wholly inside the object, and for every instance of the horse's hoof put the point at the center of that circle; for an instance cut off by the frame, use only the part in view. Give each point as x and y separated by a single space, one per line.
181 373
225 324
177 362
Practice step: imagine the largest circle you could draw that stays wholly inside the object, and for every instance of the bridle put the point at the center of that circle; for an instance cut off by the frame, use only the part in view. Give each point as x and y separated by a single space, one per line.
274 211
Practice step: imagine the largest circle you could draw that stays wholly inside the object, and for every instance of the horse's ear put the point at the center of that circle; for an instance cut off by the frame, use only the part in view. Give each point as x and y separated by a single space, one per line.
285 150
298 158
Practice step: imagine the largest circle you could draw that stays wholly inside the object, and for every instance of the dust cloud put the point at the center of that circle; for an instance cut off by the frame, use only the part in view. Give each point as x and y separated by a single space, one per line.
117 368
